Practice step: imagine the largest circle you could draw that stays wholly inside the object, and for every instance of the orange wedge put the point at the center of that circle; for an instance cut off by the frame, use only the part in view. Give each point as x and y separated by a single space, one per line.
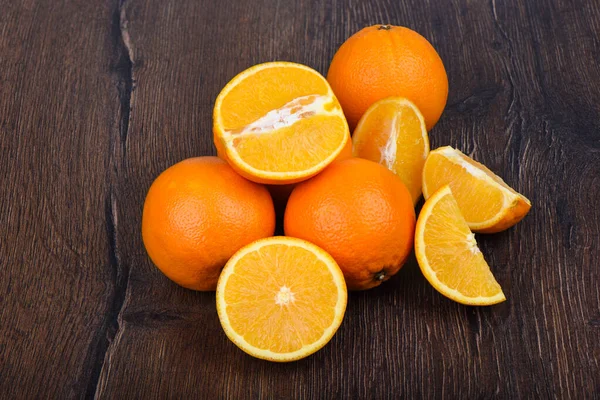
392 132
279 123
281 298
487 203
448 255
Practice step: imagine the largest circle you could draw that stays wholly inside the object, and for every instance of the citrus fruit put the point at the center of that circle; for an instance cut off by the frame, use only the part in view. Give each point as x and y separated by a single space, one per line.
346 151
386 60
448 255
392 132
281 193
360 213
281 298
278 123
485 200
197 214
344 154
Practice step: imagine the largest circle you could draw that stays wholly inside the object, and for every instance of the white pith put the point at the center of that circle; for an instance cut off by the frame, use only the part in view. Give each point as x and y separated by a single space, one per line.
389 151
287 115
284 296
472 243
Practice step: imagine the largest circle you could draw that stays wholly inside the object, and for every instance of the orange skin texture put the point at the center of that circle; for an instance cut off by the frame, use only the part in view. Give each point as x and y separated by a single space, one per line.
376 62
197 214
360 213
346 152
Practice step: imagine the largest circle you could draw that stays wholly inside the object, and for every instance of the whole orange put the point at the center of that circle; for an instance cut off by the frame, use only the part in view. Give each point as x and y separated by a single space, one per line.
360 213
386 60
197 214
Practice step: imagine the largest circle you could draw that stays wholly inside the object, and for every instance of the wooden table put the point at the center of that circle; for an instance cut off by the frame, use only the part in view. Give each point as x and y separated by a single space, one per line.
98 97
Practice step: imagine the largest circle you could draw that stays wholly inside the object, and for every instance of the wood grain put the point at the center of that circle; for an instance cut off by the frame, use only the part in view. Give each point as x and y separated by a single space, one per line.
58 122
97 99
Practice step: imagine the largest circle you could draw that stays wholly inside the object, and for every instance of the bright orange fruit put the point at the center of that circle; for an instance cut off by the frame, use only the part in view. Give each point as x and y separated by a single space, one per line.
448 254
485 200
197 214
281 298
360 213
281 193
392 132
279 123
386 60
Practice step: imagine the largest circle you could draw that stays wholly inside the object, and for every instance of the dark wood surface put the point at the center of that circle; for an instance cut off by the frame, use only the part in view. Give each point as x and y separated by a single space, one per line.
97 98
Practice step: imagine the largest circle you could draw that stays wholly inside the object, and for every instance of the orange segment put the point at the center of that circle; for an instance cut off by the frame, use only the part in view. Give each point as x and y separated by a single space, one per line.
279 123
290 142
266 87
392 132
448 255
281 298
487 203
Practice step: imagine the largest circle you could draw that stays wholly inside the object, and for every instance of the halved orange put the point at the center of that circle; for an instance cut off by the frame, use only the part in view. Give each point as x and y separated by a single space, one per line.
392 132
281 298
487 203
279 123
448 255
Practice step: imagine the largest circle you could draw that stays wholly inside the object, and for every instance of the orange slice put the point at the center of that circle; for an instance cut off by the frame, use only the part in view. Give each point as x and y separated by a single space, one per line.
281 298
392 132
279 123
485 200
448 255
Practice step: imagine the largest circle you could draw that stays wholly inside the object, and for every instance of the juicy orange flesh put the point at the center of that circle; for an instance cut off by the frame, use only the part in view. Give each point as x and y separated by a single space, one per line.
267 90
488 172
391 135
293 148
480 201
456 259
293 277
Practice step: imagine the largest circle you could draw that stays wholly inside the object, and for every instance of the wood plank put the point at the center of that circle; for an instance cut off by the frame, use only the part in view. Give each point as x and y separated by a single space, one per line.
508 108
97 99
59 109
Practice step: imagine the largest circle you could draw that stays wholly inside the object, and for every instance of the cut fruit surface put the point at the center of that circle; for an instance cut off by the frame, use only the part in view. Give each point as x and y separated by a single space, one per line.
392 132
448 255
281 298
487 203
279 123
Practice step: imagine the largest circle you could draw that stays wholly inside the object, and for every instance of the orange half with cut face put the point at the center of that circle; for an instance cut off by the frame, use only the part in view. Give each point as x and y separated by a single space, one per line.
279 123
